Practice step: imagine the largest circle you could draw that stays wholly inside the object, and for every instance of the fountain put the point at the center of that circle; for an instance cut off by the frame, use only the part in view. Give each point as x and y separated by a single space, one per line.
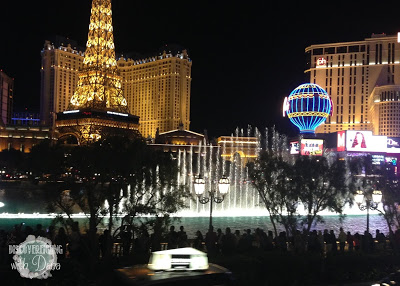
212 162
241 207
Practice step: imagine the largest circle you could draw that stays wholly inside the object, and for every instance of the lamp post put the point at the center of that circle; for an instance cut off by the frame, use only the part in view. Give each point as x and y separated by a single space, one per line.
216 195
368 202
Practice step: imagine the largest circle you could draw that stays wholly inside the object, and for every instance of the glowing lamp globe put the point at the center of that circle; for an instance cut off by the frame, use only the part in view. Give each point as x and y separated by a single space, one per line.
199 186
307 107
224 185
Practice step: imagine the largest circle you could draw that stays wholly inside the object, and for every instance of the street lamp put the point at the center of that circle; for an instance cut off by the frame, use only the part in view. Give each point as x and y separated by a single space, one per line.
371 202
215 195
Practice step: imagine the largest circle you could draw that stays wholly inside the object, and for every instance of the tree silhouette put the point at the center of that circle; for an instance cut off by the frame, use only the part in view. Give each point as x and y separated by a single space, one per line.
321 184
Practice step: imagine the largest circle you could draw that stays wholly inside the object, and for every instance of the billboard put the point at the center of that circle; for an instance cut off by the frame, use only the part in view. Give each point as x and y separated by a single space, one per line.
391 160
364 141
294 148
393 145
393 142
312 147
377 159
341 141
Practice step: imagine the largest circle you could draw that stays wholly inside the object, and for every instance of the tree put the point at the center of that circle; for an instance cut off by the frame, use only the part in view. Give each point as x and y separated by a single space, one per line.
47 159
271 180
386 180
271 176
121 170
12 161
321 184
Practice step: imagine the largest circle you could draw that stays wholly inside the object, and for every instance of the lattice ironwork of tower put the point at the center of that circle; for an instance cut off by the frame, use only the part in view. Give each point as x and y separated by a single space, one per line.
98 102
99 84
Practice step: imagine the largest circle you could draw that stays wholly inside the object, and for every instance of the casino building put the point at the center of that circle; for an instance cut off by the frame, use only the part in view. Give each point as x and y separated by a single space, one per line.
157 87
363 80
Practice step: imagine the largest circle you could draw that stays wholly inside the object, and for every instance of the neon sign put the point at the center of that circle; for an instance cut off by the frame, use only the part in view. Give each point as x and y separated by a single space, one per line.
71 111
309 106
286 106
294 148
321 62
117 113
341 141
313 147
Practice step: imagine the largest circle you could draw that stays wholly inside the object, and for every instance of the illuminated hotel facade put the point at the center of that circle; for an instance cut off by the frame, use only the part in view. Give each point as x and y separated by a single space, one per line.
6 97
59 76
157 89
363 79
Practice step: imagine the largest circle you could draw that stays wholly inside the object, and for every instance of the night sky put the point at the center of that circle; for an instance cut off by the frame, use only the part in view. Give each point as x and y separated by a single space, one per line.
247 56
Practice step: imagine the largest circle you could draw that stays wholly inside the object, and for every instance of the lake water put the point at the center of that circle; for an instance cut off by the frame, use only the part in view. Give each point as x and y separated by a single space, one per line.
23 197
352 223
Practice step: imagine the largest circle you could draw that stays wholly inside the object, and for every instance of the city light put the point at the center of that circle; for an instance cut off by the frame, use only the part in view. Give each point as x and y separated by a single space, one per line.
103 88
308 106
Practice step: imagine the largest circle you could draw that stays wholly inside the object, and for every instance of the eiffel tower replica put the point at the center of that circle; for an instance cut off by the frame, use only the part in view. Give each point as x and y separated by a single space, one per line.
98 105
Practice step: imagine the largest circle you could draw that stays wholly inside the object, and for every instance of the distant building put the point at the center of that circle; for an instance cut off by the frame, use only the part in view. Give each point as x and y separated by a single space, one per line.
157 88
18 130
6 97
25 118
385 110
22 138
178 140
59 77
244 147
362 78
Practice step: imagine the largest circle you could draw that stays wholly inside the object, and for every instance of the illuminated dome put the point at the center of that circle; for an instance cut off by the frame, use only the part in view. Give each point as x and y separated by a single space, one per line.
307 107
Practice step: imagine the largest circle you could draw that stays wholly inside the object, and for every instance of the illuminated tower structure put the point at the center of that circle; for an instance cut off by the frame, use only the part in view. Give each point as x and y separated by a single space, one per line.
97 105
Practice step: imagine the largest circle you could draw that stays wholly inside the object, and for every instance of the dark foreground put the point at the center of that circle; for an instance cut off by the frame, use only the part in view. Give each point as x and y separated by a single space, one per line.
251 268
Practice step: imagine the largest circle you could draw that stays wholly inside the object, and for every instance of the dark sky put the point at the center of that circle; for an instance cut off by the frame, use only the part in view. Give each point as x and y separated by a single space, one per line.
247 55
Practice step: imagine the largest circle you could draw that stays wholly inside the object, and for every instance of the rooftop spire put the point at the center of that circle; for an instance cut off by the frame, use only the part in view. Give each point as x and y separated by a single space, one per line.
99 84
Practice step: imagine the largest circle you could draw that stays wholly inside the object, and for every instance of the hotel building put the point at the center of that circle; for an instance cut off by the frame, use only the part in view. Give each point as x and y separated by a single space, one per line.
363 79
158 91
59 76
6 97
157 88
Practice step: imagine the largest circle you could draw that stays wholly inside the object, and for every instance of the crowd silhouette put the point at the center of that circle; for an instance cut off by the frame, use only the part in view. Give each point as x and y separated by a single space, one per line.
219 242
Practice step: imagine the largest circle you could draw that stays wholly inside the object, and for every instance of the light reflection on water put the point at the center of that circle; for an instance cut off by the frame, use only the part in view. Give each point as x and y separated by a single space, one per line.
352 223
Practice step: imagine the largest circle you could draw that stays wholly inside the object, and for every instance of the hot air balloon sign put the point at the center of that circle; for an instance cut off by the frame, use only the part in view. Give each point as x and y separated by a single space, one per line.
307 107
